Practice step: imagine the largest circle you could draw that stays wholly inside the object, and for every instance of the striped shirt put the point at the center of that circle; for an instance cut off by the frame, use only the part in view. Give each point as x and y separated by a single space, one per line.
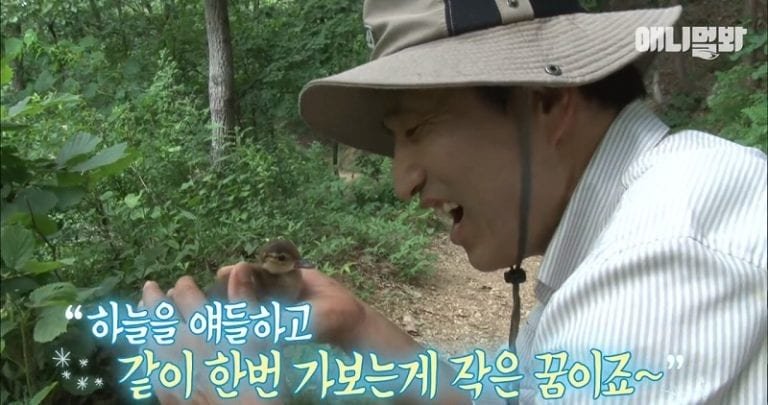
661 253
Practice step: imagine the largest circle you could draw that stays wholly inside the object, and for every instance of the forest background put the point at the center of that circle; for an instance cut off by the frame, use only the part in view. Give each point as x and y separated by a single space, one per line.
149 139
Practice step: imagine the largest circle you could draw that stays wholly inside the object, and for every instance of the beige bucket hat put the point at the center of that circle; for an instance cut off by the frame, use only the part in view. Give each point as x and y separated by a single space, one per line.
421 44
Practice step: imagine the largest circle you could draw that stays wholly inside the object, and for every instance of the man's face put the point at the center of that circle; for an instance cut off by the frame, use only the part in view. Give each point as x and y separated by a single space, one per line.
460 153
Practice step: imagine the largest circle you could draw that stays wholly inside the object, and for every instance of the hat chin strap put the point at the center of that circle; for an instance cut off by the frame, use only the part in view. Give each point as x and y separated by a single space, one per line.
516 275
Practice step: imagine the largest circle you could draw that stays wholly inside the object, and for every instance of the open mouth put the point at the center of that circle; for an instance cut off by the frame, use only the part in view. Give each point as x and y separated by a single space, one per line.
452 210
457 214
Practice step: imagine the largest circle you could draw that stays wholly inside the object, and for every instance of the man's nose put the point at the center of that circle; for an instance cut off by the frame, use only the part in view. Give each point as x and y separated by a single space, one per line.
408 175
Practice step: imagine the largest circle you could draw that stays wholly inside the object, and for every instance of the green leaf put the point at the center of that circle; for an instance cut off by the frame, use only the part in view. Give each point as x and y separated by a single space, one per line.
81 144
60 99
173 244
187 185
30 37
43 224
132 200
53 294
85 293
88 41
103 158
34 267
7 326
64 179
187 214
68 196
107 285
115 168
9 126
155 213
13 47
18 286
6 75
18 246
760 72
12 167
50 324
35 199
42 394
44 82
68 261
18 108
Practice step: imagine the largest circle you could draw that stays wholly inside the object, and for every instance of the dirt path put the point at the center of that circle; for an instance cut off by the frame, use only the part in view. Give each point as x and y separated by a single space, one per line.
457 308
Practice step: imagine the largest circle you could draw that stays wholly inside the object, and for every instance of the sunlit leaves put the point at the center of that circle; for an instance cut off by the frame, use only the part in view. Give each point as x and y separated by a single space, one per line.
76 146
50 324
34 267
102 158
53 294
40 396
6 73
13 47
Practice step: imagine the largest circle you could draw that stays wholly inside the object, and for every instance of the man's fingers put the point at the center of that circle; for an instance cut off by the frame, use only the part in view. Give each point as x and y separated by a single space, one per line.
313 278
187 296
317 284
241 284
335 311
166 397
224 271
151 295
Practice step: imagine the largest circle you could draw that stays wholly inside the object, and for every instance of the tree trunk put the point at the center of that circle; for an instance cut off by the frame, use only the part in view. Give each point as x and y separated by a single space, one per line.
17 64
336 158
754 12
681 61
95 13
221 92
123 38
656 93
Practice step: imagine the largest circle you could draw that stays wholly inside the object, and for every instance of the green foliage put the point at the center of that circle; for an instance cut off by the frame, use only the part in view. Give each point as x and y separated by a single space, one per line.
85 216
285 44
38 196
680 108
738 105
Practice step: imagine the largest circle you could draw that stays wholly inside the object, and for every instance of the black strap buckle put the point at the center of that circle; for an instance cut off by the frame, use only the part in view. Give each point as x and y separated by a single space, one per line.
514 275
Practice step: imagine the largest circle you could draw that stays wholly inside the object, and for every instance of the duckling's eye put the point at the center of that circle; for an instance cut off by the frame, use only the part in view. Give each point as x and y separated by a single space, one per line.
281 257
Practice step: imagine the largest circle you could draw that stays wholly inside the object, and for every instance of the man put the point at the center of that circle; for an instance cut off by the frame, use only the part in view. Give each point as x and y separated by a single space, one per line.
522 121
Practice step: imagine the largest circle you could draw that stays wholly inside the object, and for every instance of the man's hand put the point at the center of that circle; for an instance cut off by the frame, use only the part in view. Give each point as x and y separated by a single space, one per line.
188 298
337 318
337 315
341 319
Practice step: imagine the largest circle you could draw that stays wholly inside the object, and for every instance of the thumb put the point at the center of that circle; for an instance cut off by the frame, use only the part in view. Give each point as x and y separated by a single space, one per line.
241 286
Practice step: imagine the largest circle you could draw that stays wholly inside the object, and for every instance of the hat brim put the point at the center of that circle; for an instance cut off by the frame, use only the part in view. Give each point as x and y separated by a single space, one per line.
349 107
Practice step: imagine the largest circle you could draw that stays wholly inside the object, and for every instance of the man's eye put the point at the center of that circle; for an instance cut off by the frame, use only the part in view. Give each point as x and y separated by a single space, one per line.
411 132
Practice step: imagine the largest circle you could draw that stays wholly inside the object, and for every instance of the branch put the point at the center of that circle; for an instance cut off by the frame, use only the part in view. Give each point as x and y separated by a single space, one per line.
47 242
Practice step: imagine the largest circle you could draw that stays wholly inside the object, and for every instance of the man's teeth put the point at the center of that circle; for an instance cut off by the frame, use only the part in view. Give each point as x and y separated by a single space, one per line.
447 207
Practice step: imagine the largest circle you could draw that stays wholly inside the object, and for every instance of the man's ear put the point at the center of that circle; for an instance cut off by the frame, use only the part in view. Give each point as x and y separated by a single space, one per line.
553 111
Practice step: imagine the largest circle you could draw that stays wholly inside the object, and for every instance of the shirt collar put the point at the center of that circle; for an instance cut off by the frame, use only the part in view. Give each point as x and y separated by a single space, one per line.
635 130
